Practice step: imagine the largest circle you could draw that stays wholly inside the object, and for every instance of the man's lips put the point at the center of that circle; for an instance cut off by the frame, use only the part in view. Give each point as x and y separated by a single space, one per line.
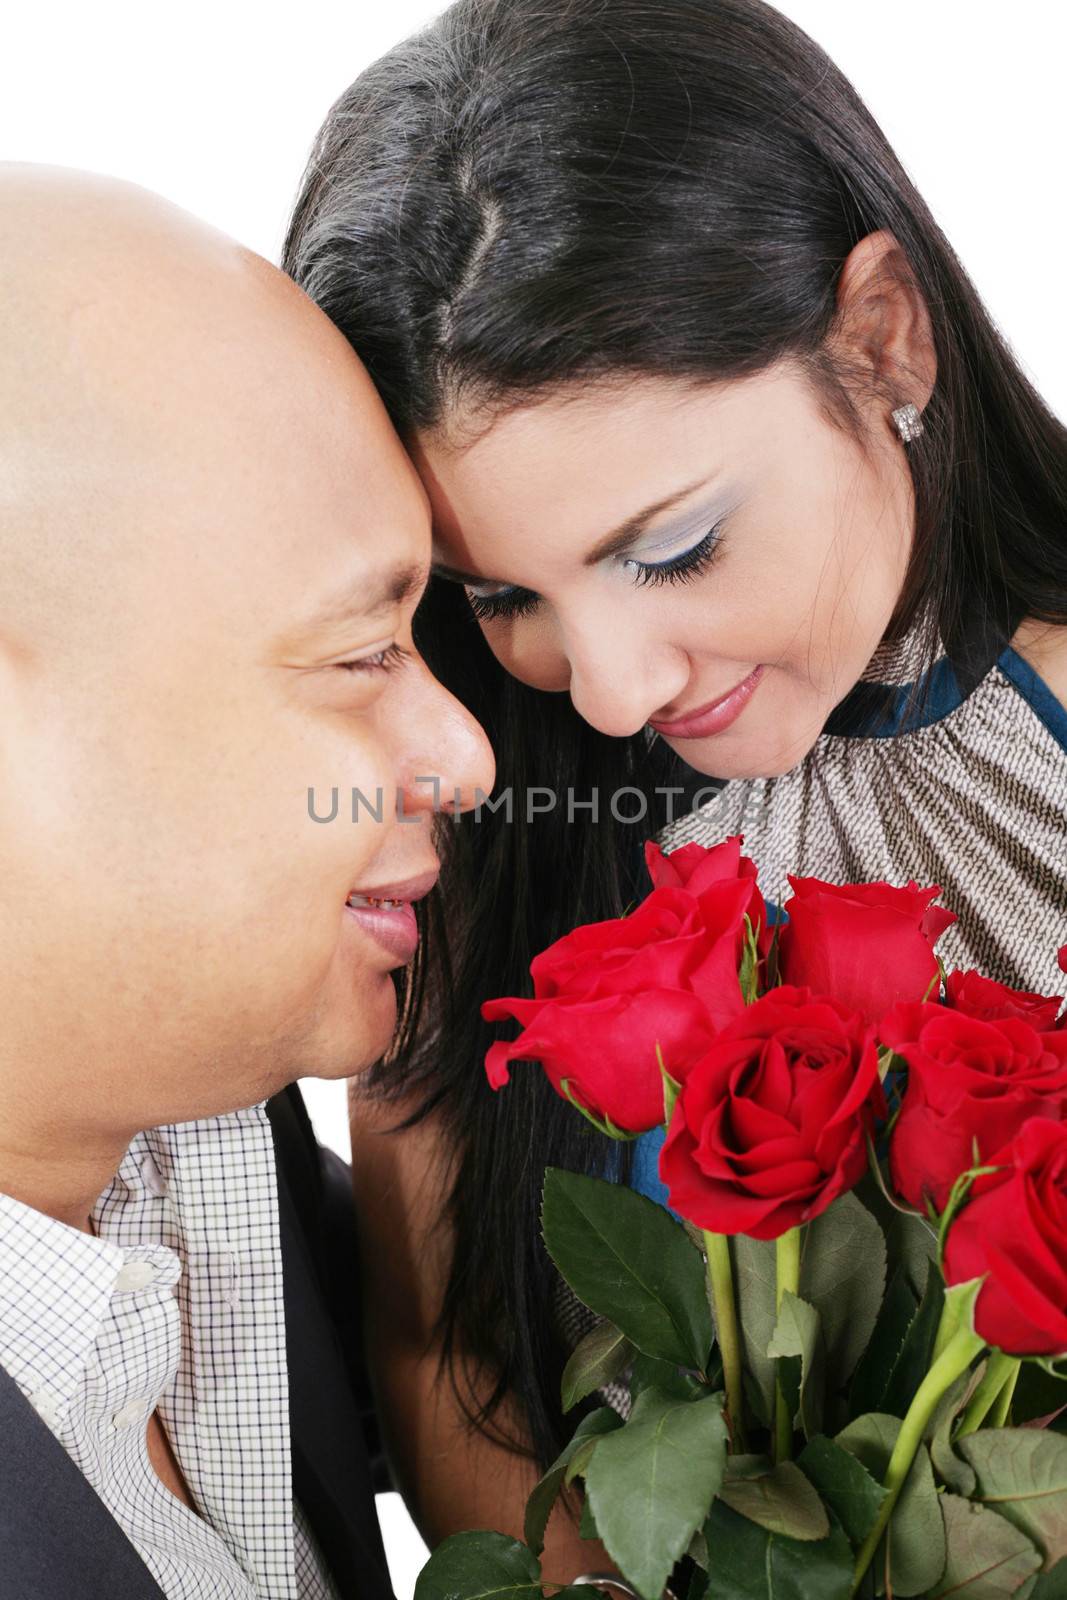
386 911
714 716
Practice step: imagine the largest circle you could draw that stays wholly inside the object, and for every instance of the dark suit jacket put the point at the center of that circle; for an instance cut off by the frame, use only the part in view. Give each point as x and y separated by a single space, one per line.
58 1541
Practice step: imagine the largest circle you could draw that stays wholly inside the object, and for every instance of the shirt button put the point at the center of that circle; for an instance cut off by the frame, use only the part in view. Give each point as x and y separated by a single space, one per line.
129 1414
46 1405
136 1275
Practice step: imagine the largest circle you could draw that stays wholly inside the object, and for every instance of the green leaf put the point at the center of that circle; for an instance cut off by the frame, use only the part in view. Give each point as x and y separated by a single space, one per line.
913 1362
879 1361
480 1566
629 1261
587 1525
953 1471
780 1499
1050 1585
543 1495
798 1333
651 1483
842 1274
911 1240
748 1562
845 1484
916 1529
1023 1473
598 1359
988 1559
648 1373
754 1288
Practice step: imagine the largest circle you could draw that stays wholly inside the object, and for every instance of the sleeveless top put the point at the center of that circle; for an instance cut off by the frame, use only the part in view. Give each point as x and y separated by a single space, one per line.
961 782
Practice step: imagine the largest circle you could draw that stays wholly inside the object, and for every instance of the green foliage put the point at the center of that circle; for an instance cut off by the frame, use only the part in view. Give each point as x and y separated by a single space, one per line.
481 1566
797 1343
844 1483
747 1562
1023 1472
651 1483
780 1499
915 1558
987 1559
600 1358
543 1496
842 1276
629 1261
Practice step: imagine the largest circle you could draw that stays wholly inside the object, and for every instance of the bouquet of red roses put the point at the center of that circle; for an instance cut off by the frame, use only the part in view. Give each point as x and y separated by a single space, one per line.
840 1336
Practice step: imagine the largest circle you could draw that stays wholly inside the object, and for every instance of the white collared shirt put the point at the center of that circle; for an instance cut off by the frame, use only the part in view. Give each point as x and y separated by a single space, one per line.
176 1306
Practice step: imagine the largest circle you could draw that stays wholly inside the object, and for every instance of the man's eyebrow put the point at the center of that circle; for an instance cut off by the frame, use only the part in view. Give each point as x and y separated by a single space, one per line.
612 544
372 595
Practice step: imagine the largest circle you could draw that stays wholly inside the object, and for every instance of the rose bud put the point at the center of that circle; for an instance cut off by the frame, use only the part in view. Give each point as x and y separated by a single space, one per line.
868 944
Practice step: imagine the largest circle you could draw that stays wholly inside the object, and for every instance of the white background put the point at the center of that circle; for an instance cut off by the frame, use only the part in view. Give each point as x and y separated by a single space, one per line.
215 106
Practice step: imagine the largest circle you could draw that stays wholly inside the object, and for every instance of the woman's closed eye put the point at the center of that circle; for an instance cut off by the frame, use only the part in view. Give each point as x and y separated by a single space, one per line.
492 602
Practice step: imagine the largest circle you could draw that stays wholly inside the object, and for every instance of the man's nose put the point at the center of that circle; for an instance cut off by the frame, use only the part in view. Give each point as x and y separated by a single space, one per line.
448 762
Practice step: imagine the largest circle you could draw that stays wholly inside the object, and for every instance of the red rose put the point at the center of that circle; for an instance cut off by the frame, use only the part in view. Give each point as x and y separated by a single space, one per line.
724 884
606 994
971 1084
604 1050
770 1125
867 944
1061 958
977 996
1013 1232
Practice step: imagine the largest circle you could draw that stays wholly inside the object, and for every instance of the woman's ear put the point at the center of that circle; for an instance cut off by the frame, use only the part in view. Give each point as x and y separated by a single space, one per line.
883 326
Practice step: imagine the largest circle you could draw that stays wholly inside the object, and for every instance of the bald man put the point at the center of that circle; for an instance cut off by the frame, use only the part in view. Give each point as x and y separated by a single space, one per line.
211 546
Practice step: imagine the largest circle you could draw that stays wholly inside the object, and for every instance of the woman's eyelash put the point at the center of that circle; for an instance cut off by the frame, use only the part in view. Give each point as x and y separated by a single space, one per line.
679 569
382 660
509 603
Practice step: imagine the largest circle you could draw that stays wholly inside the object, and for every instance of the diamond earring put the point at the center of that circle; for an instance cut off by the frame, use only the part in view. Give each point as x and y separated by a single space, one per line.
908 422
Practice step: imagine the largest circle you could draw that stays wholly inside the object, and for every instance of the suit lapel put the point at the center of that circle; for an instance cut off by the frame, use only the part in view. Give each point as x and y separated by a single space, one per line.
331 1472
59 1538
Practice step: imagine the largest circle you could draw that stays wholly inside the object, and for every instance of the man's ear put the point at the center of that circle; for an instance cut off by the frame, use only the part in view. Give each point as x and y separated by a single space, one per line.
884 327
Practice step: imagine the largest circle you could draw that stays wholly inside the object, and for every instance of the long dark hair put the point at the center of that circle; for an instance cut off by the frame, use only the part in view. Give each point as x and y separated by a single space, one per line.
534 194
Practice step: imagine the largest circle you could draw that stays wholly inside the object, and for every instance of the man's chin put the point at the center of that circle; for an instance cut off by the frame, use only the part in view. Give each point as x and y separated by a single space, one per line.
364 1035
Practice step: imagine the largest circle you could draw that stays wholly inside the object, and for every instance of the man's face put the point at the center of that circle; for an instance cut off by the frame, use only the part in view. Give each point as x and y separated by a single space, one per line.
249 542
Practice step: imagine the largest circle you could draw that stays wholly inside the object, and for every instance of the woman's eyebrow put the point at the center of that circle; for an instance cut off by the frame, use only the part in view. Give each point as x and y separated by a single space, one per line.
628 532
612 544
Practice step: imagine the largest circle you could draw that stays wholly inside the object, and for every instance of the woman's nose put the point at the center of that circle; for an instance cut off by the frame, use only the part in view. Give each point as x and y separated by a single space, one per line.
616 685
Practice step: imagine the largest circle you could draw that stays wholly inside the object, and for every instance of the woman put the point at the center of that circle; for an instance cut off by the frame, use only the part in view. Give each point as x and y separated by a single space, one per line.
738 481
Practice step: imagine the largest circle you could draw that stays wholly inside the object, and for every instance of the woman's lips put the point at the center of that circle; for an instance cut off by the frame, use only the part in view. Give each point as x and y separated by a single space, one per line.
713 718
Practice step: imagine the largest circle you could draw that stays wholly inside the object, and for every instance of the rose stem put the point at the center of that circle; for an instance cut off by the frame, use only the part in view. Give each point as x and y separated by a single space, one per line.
721 1285
953 1361
787 1277
995 1390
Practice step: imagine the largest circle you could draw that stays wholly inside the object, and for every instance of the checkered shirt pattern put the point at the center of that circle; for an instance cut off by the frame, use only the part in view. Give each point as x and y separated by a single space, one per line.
176 1306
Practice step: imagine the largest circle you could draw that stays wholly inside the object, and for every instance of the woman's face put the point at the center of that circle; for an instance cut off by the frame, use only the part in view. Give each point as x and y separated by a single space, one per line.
649 547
